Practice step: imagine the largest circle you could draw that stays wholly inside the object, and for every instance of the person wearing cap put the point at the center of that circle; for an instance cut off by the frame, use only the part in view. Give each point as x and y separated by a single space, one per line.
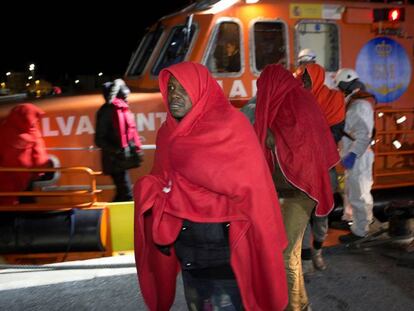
332 105
357 155
308 56
305 56
117 136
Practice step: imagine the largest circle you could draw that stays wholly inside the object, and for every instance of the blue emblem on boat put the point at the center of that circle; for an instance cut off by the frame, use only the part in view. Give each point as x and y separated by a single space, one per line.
383 65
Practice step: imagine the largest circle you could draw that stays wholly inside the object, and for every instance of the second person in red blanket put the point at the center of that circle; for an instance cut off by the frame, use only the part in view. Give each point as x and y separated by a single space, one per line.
209 206
300 150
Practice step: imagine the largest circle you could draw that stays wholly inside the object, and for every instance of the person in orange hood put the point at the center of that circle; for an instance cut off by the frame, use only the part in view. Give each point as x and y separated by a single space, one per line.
331 102
208 206
332 105
22 146
300 151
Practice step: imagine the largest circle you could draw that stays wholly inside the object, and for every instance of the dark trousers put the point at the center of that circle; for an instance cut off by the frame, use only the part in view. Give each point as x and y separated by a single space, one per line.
205 294
123 186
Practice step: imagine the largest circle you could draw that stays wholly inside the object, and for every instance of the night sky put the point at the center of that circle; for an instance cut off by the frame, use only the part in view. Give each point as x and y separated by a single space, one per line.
69 38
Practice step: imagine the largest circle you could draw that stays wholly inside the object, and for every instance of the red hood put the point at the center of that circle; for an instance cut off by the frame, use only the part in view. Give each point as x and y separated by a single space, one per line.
24 118
205 93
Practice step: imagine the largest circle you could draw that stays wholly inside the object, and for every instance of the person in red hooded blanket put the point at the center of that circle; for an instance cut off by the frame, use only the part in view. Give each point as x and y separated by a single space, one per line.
332 105
209 206
300 150
22 146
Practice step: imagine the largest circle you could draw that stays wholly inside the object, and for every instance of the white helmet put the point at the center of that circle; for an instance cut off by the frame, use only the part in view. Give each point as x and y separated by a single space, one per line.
345 75
306 55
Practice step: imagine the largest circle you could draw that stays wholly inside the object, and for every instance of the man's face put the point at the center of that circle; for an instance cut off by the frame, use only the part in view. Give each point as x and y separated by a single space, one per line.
307 81
179 102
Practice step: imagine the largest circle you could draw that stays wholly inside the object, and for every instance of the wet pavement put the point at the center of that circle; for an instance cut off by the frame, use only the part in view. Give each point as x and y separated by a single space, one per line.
355 280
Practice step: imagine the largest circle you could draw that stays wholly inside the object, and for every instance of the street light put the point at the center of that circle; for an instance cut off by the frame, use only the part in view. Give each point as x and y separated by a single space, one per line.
100 74
8 73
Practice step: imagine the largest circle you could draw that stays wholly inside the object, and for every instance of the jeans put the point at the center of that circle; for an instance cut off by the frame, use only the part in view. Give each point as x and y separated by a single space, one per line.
211 294
296 213
318 228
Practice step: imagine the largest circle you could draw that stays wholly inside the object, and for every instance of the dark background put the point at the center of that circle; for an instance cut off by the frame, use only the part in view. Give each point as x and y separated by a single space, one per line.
68 38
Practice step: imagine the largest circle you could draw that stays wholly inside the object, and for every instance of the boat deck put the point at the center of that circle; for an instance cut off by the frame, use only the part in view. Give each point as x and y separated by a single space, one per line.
355 280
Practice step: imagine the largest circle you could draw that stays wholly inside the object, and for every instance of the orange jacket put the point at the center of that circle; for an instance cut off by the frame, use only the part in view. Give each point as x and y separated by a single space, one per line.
331 102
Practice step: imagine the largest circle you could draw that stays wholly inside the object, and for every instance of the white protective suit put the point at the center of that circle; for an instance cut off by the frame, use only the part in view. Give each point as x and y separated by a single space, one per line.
359 124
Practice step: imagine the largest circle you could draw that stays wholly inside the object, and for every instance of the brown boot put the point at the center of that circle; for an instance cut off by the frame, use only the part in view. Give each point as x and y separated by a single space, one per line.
317 259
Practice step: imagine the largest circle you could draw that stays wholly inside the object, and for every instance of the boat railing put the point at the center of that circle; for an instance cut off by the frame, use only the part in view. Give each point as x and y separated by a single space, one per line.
55 199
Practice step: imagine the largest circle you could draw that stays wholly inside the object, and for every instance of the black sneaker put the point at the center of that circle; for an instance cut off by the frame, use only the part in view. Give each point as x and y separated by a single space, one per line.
349 238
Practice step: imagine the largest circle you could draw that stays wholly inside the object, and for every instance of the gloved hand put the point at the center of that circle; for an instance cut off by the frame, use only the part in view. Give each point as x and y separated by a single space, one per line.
348 161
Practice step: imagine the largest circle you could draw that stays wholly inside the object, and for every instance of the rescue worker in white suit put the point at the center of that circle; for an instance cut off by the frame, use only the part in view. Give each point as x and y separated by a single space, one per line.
357 155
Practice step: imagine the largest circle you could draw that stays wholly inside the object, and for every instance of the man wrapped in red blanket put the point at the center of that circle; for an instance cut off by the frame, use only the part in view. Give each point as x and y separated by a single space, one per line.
209 173
300 151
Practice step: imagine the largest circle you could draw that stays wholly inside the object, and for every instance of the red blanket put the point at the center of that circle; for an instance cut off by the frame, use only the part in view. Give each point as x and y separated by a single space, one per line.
304 148
22 146
209 168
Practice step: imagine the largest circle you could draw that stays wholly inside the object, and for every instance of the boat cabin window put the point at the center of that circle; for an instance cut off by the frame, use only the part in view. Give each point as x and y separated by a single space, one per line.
323 39
175 48
144 52
224 54
269 44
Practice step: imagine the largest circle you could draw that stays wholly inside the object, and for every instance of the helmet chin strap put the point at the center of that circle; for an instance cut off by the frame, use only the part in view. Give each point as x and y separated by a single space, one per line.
349 96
